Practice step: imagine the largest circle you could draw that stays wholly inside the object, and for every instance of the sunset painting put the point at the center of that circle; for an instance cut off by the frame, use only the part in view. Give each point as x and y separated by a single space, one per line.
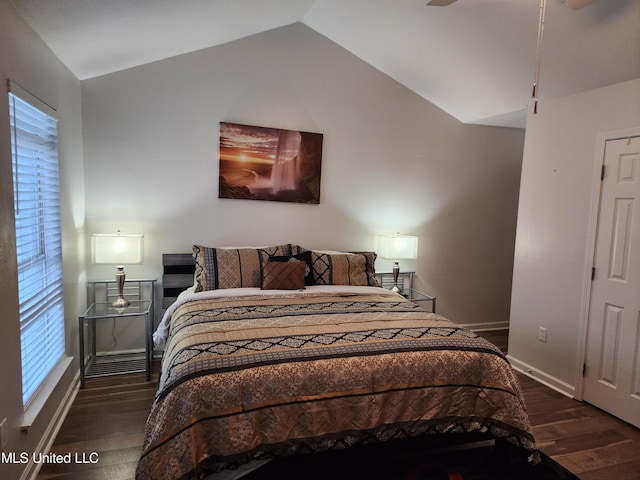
258 163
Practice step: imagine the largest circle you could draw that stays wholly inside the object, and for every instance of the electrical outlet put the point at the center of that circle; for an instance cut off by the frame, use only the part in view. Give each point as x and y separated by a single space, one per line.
542 334
4 434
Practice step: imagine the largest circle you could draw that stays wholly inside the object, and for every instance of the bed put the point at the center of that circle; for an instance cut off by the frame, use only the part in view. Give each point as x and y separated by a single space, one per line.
280 350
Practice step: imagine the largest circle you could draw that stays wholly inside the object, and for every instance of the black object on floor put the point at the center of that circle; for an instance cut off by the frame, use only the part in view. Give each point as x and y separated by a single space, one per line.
411 460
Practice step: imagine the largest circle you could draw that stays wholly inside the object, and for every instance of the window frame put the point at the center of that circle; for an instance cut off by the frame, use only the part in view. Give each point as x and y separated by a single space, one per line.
38 227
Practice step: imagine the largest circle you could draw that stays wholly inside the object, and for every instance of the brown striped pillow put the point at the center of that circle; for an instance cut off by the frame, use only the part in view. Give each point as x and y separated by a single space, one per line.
336 268
218 268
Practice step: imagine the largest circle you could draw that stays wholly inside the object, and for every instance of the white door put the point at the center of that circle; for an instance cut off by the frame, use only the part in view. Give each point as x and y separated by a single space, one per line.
612 370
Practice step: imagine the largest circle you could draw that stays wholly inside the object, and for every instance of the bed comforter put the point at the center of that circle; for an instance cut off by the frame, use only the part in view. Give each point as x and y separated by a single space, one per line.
252 375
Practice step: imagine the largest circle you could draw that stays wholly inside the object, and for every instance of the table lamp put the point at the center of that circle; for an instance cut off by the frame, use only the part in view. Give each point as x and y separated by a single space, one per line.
397 247
120 250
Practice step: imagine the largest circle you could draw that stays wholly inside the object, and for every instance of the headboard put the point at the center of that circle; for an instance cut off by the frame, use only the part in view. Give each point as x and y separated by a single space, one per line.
177 275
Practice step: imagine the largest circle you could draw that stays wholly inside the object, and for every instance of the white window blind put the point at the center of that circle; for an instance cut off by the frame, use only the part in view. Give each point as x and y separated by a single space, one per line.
34 148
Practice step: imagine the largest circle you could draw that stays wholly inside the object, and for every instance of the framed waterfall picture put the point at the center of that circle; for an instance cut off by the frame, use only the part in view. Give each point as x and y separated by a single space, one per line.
259 163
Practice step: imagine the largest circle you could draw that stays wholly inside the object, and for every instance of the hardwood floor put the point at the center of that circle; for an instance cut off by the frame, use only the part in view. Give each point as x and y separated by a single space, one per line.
582 438
108 418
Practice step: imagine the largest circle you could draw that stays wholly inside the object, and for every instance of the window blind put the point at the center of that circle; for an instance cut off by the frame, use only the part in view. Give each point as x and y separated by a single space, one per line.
34 149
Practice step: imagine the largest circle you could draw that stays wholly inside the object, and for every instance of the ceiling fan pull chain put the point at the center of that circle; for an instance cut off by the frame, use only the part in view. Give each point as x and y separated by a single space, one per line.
536 78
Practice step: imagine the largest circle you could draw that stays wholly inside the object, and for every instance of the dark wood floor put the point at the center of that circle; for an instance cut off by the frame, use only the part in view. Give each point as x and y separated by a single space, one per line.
108 418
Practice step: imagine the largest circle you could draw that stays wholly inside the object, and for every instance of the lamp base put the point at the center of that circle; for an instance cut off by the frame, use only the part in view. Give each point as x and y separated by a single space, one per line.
120 302
396 273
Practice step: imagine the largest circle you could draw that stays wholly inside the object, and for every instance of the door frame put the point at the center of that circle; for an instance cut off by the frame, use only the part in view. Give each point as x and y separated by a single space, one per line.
592 232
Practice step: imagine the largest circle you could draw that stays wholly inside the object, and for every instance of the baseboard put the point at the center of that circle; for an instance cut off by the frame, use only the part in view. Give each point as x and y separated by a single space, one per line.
31 471
483 327
538 375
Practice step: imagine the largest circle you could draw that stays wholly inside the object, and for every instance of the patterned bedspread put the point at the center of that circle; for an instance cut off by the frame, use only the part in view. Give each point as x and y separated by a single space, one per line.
249 376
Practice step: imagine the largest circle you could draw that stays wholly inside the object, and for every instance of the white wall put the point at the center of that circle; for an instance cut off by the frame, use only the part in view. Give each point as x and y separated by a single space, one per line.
391 162
27 61
552 258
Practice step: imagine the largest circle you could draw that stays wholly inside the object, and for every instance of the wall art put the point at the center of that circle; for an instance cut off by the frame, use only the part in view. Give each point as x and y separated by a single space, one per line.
261 163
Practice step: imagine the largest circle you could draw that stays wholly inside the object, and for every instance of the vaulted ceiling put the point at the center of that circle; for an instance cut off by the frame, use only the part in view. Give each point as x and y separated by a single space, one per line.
474 59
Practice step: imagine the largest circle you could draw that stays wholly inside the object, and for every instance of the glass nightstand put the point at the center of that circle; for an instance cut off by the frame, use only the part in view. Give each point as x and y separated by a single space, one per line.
96 364
405 280
418 297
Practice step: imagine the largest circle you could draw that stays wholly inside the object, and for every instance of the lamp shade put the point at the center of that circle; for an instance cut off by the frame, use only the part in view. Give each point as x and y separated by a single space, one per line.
397 247
116 248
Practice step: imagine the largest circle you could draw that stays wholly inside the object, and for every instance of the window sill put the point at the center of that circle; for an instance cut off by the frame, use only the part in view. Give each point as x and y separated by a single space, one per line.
44 392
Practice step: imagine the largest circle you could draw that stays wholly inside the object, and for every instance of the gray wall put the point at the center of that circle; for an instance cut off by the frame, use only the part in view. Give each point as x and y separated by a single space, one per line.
556 219
392 162
27 61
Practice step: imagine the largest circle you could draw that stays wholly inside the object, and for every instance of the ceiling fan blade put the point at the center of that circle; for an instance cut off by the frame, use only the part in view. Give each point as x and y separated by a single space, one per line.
440 3
574 4
578 4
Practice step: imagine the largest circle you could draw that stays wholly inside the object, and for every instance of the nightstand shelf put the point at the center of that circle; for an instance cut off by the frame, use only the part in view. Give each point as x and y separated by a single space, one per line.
116 364
405 281
100 295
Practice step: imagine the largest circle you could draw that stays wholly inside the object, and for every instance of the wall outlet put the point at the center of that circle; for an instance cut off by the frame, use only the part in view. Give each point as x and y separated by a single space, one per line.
4 434
542 334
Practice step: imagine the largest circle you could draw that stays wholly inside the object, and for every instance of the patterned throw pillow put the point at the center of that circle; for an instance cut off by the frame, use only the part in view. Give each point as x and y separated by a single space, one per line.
283 275
218 268
304 257
343 268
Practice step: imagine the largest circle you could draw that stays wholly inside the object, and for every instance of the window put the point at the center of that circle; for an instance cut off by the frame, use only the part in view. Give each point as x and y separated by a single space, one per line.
36 193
